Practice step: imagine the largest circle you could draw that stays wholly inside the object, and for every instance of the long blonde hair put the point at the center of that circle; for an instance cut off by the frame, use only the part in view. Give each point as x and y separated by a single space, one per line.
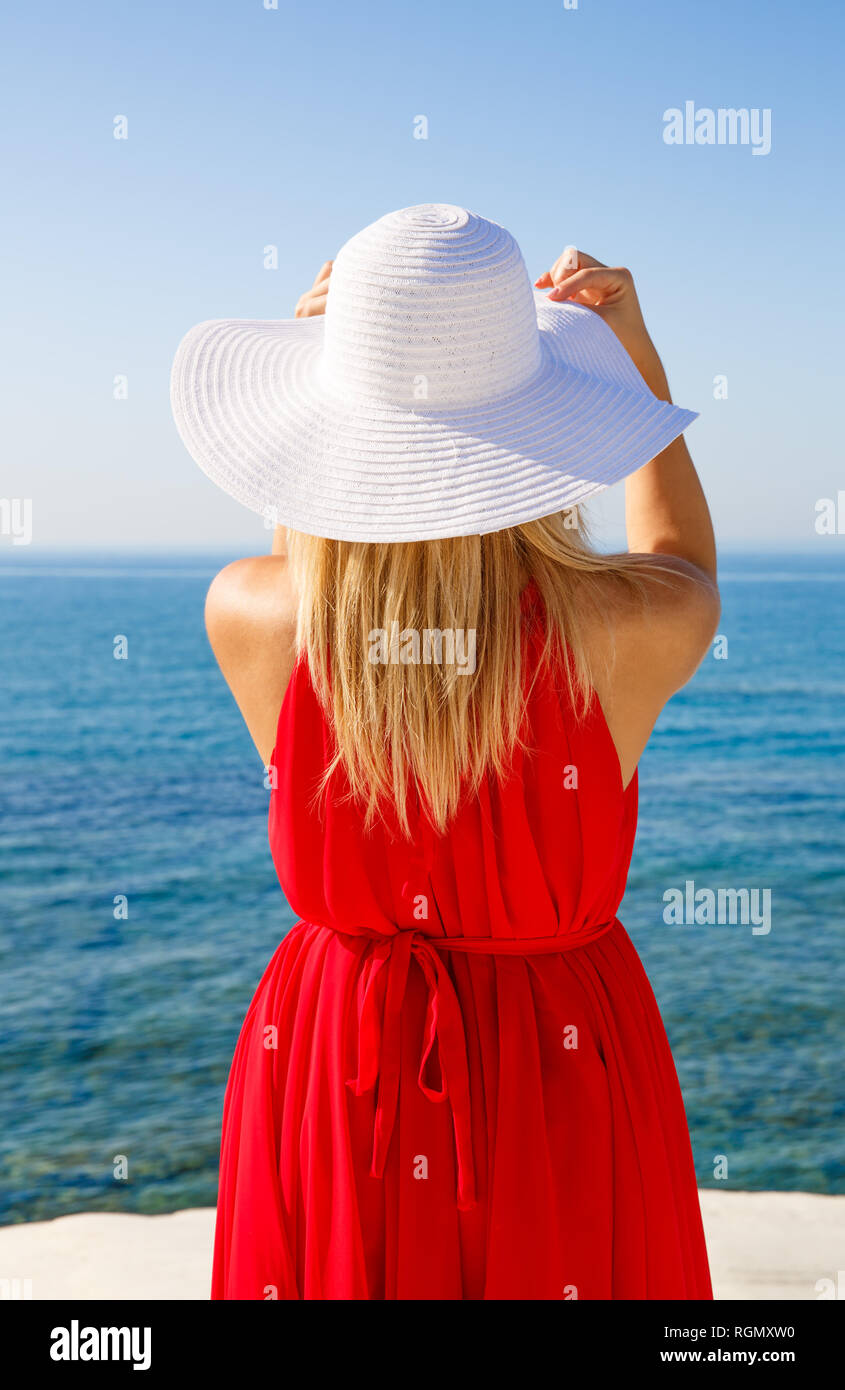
418 721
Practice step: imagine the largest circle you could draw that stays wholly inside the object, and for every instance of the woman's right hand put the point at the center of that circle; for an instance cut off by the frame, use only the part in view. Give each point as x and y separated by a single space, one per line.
313 301
610 293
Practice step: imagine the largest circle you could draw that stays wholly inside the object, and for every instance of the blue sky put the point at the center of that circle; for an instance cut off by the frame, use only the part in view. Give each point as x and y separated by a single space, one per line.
294 127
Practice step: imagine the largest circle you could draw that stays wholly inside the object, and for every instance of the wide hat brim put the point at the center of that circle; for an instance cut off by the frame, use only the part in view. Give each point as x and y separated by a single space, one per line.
256 413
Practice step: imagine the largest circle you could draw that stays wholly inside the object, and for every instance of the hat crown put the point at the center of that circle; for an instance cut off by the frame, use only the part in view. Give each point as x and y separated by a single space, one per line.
430 308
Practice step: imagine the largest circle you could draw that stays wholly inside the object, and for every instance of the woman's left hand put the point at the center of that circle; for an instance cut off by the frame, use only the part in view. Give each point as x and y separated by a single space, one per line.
313 301
609 291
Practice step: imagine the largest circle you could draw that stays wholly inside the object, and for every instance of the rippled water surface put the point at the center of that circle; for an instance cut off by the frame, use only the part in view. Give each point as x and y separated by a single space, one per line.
137 778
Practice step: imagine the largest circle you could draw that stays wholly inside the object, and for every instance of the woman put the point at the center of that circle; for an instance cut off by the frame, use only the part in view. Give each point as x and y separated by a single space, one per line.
453 1081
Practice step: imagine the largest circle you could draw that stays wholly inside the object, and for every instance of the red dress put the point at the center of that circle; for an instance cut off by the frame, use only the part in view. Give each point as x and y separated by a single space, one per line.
453 1081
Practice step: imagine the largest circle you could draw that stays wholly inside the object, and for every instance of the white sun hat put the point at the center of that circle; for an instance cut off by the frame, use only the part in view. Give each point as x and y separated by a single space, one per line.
439 395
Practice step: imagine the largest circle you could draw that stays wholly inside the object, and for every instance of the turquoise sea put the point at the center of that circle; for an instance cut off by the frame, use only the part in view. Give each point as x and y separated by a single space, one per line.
137 778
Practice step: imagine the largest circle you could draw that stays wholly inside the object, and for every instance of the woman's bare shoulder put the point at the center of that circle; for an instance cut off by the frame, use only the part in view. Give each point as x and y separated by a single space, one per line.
656 634
250 617
256 591
644 646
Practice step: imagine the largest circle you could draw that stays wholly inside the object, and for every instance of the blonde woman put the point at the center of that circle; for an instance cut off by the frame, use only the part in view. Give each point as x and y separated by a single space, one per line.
453 1081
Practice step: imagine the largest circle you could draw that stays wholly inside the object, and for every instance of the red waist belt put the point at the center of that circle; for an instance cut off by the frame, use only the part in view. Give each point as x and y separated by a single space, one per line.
379 1048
